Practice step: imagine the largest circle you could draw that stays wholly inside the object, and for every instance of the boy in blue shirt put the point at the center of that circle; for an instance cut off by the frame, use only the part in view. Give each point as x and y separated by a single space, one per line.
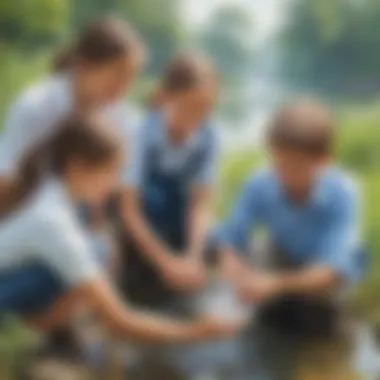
309 209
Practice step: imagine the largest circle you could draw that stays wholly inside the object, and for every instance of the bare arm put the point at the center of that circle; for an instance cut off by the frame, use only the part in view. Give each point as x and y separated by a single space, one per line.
155 250
125 322
131 324
199 220
231 265
313 280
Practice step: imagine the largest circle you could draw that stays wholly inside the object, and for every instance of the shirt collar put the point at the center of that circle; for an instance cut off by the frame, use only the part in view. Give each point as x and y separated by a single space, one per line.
190 142
319 194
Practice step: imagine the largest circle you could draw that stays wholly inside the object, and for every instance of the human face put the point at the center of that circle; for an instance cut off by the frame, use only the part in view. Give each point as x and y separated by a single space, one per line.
296 170
94 184
108 82
190 108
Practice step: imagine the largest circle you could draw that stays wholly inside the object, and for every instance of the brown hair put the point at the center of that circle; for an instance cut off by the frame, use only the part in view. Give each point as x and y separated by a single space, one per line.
184 72
305 125
81 137
101 41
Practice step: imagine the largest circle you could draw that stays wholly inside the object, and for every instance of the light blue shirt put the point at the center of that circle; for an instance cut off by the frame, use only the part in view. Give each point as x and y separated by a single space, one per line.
171 158
324 230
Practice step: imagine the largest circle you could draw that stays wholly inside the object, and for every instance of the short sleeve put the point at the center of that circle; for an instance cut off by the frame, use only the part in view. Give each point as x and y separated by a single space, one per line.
208 171
246 213
67 251
340 243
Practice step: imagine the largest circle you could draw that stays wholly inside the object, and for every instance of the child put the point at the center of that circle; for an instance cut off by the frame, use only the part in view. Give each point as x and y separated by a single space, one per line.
47 266
94 73
168 185
310 211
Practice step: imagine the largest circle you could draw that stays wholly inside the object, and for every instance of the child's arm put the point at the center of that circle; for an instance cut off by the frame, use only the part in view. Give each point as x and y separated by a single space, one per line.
233 237
127 323
130 324
335 262
201 202
264 286
199 221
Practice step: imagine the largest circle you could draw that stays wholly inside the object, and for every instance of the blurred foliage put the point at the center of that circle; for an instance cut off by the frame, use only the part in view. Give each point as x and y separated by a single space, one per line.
32 23
360 142
333 45
17 70
228 39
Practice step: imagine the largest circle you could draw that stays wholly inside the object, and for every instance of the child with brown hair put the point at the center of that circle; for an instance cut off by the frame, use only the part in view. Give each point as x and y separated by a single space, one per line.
310 211
168 184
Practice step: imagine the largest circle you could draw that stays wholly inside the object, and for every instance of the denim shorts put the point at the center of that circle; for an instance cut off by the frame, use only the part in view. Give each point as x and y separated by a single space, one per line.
30 289
33 288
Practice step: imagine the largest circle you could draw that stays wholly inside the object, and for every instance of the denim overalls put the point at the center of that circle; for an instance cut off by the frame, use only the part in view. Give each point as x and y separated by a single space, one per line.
165 202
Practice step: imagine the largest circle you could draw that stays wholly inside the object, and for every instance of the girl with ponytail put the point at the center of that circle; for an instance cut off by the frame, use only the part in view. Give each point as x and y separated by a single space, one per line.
47 266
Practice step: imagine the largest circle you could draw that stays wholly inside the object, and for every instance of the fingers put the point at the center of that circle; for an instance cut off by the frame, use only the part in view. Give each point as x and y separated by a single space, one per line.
185 274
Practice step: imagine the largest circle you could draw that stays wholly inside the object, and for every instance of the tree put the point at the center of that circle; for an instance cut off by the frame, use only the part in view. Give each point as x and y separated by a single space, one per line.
333 45
32 23
228 39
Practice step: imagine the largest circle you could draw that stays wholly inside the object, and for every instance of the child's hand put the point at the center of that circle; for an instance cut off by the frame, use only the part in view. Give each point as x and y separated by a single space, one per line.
231 267
215 327
259 287
183 273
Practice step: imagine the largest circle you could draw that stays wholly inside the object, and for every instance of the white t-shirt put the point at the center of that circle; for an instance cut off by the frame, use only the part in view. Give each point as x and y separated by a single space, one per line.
46 230
36 115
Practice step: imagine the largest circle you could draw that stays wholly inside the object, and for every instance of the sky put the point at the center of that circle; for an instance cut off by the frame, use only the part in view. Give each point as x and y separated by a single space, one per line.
267 14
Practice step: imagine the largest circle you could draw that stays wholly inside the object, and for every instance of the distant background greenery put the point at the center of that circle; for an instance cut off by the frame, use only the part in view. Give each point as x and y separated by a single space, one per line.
330 48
